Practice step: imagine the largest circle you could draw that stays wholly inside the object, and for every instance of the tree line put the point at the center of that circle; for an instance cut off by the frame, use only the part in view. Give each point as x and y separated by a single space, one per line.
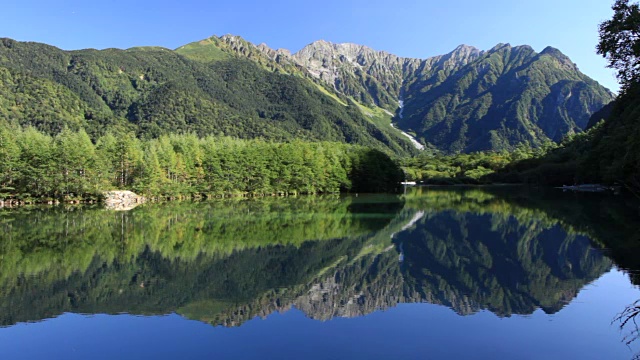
474 168
35 166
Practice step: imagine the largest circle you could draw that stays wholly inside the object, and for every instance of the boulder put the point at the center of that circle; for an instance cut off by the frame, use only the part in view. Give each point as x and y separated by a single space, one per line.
122 200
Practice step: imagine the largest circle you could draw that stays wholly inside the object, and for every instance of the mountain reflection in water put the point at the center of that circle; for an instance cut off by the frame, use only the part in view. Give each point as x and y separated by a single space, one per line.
509 251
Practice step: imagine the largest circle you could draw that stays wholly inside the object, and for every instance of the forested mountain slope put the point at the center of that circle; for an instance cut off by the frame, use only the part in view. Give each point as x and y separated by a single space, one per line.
507 96
464 101
154 91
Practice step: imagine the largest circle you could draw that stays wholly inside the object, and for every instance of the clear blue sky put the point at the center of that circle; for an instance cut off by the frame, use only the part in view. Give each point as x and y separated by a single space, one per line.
412 28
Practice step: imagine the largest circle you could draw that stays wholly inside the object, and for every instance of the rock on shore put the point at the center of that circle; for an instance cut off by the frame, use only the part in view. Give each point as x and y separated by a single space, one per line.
121 200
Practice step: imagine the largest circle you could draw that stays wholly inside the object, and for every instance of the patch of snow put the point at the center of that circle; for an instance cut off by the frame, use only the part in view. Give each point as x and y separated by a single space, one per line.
415 142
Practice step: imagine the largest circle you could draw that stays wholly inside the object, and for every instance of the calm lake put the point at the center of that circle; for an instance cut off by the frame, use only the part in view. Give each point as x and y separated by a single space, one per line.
435 273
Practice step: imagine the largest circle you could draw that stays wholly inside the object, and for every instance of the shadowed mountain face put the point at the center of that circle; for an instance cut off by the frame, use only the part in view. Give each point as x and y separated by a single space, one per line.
466 100
506 96
227 262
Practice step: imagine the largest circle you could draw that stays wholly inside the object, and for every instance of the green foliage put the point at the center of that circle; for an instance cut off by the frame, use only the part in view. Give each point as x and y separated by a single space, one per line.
474 168
205 50
47 105
35 164
373 171
69 165
614 154
620 41
9 156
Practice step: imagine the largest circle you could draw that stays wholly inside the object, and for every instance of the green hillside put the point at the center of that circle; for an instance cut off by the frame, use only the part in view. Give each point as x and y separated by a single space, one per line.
154 91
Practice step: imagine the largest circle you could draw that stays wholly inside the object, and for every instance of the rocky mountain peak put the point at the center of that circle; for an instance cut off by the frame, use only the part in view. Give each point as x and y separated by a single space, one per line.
348 67
466 49
237 43
274 54
460 56
230 38
348 51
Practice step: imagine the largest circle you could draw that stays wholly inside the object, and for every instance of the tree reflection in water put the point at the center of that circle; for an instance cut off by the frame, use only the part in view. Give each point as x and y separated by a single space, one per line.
503 249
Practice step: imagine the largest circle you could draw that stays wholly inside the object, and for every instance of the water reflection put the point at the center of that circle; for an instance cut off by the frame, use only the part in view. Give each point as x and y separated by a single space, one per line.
509 251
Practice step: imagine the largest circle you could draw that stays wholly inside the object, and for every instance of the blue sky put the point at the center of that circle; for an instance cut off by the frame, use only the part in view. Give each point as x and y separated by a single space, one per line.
411 28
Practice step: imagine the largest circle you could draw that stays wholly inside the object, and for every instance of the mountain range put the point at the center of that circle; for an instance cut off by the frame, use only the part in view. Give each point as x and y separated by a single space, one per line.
467 100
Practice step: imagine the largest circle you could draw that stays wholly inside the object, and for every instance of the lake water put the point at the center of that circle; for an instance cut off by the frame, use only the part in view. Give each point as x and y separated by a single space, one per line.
435 273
